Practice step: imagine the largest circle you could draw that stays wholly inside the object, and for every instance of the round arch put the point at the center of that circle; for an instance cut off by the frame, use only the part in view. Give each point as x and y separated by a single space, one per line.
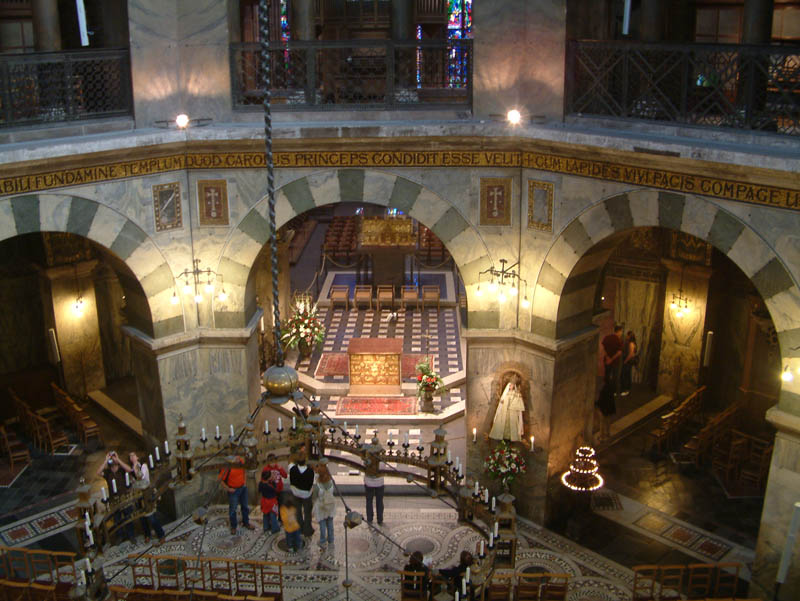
108 228
460 237
564 294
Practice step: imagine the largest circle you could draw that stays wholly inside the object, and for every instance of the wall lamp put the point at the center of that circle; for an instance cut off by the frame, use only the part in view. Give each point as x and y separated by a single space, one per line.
504 282
183 121
194 279
680 302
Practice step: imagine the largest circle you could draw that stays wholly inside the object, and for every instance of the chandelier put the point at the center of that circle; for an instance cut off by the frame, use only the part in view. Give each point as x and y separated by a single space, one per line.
504 282
196 279
583 473
680 302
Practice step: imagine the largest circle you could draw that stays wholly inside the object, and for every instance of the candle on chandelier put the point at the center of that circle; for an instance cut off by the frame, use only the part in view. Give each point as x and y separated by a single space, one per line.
203 434
457 597
467 575
474 434
449 460
233 433
482 552
491 540
463 586
345 429
492 503
294 423
532 442
150 460
405 438
158 455
127 479
477 490
356 429
486 495
266 426
496 526
217 431
166 447
114 486
458 462
90 536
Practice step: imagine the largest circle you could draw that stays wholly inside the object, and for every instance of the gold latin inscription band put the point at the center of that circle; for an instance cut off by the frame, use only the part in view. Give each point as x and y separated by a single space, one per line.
640 176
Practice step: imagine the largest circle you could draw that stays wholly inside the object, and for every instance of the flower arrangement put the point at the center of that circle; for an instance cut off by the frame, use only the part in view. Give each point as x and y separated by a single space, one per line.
505 463
304 325
427 379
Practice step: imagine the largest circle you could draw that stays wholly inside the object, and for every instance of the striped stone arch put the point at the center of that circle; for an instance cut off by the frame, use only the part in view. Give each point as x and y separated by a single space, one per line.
565 289
108 228
333 186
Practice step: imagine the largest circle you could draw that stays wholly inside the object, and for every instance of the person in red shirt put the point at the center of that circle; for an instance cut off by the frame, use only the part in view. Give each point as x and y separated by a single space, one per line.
233 481
612 350
270 488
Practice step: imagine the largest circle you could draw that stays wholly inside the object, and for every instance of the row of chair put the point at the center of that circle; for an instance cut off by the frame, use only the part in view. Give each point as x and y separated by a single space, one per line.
542 586
742 460
11 590
16 451
385 296
84 425
341 237
430 246
699 447
121 593
41 425
695 581
53 572
673 423
219 575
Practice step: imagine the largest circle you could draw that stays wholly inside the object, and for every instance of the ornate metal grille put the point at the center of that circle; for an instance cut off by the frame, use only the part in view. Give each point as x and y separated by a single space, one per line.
64 86
351 74
737 86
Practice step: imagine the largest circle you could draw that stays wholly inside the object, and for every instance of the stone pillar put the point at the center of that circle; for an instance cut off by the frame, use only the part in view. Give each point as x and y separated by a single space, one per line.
757 21
301 20
402 20
651 27
783 490
77 327
46 25
683 330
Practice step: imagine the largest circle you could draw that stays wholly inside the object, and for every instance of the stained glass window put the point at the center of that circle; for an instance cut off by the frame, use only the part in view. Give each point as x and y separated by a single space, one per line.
459 19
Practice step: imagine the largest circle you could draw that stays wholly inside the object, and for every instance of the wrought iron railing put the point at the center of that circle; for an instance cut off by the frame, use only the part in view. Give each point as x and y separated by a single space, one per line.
368 74
737 86
42 87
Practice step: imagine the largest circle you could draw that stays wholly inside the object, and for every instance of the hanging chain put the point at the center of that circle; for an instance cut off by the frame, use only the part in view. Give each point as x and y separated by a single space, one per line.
263 34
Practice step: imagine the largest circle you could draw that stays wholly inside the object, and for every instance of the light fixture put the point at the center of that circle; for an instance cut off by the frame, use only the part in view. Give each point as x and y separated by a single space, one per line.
514 117
174 300
182 120
787 375
583 473
505 282
192 279
680 302
78 306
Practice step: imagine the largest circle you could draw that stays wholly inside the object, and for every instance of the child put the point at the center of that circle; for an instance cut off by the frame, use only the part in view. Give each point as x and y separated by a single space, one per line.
270 486
294 539
324 504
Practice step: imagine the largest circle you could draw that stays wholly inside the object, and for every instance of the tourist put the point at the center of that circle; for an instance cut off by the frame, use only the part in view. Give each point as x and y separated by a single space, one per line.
324 504
141 472
416 563
373 487
612 353
301 480
454 574
115 481
291 523
233 481
270 486
631 352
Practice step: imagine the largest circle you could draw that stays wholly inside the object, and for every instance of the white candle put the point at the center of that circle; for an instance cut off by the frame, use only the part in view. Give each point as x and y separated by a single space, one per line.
280 424
532 443
266 426
87 528
356 428
457 598
405 438
460 471
294 423
448 456
158 455
474 434
150 458
486 495
86 518
496 524
492 503
127 479
390 436
477 491
464 586
90 536
114 486
166 447
345 427
233 434
491 540
467 576
203 434
458 462
482 552
217 431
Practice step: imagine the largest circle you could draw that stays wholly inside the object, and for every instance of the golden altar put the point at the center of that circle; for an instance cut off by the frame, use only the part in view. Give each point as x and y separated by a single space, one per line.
374 366
382 232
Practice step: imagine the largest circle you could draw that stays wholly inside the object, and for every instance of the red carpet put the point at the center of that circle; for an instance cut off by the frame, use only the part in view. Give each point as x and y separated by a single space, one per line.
335 364
377 406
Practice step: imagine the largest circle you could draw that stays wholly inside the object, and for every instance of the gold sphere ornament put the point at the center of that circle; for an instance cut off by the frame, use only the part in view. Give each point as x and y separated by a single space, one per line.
281 383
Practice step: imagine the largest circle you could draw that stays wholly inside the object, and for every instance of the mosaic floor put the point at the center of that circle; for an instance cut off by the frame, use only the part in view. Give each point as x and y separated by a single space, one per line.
413 523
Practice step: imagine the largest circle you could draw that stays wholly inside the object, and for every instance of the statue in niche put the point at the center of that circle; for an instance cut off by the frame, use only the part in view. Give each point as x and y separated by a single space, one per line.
508 424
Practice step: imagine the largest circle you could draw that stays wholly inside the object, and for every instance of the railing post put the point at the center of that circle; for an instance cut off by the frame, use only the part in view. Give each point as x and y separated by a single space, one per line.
5 85
236 91
311 75
569 81
684 102
69 92
390 66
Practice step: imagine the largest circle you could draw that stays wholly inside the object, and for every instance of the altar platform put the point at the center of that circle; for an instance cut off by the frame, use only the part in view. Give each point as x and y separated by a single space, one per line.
374 366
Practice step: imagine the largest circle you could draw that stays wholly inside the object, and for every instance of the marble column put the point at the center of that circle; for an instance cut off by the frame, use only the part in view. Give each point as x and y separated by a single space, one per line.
652 20
757 21
71 294
46 25
302 20
683 329
402 16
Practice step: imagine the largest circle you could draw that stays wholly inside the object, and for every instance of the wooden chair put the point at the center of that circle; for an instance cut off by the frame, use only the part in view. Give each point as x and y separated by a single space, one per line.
413 586
529 587
340 294
663 434
385 295
670 581
13 590
727 581
65 573
41 565
753 474
700 580
555 587
219 575
41 591
500 587
168 570
245 577
270 580
142 571
430 294
409 294
644 582
50 437
362 294
17 451
16 565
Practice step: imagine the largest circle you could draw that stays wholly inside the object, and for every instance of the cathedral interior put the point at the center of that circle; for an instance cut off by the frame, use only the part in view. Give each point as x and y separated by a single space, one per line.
397 240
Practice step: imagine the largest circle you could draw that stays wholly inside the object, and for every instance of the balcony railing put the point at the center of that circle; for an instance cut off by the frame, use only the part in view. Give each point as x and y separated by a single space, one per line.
43 87
736 86
356 74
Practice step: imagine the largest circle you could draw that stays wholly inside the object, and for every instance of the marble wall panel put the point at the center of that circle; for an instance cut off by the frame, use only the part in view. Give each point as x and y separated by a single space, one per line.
53 212
324 187
378 187
22 344
636 305
428 208
7 224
